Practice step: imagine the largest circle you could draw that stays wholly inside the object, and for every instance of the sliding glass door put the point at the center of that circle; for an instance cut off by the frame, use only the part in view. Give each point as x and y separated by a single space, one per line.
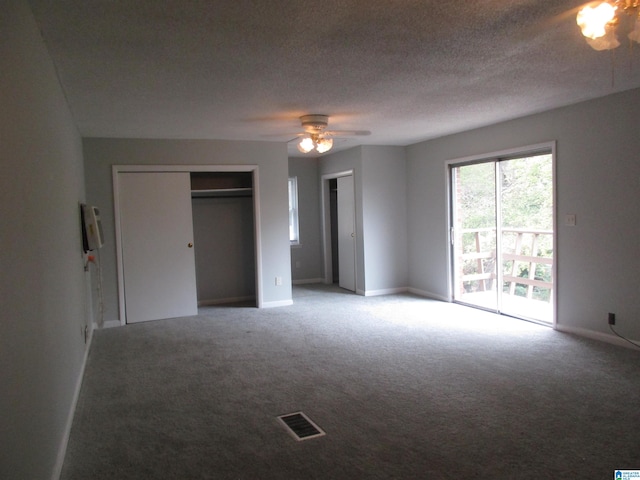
475 235
502 235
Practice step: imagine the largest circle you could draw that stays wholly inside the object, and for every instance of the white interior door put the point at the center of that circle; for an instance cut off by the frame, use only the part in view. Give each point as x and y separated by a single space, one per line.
157 245
346 233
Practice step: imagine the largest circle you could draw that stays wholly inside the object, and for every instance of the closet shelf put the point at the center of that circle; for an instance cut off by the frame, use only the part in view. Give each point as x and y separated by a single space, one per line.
222 192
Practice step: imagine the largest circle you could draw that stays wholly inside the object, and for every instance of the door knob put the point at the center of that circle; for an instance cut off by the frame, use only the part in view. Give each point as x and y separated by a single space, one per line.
190 245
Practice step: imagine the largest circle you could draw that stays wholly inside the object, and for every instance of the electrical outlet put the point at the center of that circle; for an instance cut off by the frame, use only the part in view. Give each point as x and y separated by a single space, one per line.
278 281
570 220
612 318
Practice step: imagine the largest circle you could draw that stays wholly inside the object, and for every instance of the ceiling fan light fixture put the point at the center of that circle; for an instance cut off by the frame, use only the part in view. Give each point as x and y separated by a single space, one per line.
608 41
306 144
324 145
593 20
315 142
635 33
600 22
316 137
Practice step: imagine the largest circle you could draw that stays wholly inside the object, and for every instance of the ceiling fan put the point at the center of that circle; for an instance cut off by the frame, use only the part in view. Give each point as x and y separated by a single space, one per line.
316 137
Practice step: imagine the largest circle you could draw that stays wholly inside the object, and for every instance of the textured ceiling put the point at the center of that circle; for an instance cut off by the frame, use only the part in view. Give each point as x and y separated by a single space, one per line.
407 70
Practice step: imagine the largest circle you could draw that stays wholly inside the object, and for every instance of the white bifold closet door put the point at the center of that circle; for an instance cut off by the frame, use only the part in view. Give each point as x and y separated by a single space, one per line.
346 233
157 245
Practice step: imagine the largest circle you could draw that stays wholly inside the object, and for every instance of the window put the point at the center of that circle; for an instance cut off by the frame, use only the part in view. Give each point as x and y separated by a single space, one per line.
294 232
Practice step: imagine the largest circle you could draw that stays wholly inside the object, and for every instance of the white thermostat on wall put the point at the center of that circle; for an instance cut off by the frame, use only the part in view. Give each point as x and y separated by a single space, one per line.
92 236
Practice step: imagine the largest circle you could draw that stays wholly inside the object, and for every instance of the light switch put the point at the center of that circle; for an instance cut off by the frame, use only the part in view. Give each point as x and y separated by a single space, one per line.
570 219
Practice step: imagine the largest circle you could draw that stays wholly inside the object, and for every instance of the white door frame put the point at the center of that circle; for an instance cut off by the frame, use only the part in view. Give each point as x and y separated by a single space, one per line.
116 169
325 199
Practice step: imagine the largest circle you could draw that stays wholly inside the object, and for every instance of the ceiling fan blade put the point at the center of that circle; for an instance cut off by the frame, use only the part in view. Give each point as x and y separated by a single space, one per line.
345 133
285 134
298 136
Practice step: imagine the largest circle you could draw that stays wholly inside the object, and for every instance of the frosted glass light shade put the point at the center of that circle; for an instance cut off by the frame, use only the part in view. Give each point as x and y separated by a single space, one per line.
306 145
608 41
324 145
593 20
635 34
320 145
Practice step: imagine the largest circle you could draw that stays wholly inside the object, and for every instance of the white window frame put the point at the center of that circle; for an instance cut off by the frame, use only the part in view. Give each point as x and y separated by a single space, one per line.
294 221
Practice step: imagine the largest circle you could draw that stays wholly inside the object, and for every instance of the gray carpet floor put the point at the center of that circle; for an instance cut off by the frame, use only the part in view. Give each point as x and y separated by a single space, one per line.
403 386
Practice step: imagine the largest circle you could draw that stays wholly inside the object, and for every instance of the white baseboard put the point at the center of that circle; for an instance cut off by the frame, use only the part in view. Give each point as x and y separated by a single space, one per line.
603 337
385 291
307 281
62 450
109 324
424 293
280 303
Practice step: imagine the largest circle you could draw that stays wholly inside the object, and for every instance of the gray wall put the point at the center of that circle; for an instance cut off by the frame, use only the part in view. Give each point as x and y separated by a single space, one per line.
223 237
384 218
597 178
339 162
44 288
306 258
271 158
381 214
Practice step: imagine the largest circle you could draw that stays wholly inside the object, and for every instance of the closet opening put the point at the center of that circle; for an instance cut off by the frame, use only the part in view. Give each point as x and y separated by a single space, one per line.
339 229
333 205
224 238
157 208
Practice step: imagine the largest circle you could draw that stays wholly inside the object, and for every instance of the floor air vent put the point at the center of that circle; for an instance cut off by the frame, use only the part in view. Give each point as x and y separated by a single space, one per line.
300 426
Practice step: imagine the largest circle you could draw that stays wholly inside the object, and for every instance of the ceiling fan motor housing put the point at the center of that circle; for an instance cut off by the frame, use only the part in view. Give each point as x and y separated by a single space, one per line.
314 123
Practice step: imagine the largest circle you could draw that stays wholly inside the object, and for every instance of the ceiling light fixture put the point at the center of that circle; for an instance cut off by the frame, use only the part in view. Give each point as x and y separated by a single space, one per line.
315 142
314 138
306 144
600 22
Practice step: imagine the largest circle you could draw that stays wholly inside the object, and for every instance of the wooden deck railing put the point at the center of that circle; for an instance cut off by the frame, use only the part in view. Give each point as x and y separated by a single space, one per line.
485 265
